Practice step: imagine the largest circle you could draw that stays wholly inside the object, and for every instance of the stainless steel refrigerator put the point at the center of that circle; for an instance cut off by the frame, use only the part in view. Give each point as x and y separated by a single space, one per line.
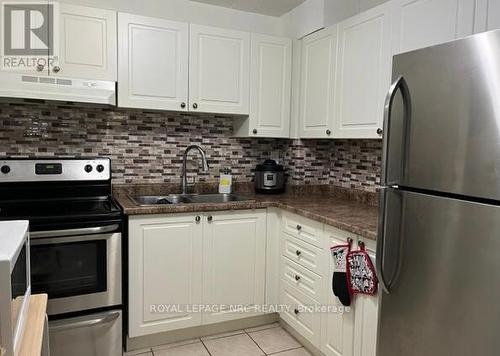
438 246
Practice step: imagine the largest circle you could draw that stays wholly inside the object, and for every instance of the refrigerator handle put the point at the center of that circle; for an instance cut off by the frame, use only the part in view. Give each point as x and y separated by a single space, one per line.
381 241
402 85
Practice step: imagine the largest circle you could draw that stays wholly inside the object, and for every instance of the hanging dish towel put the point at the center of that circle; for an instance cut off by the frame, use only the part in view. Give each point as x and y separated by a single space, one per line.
339 280
361 275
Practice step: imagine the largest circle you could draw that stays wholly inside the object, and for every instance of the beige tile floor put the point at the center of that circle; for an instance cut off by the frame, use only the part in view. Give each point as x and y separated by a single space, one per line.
269 339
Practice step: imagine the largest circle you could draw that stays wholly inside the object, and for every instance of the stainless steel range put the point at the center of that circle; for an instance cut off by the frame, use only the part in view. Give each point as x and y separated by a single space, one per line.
76 247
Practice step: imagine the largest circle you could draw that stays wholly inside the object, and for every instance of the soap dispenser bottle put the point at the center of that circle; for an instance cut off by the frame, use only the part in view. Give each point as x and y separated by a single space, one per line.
225 182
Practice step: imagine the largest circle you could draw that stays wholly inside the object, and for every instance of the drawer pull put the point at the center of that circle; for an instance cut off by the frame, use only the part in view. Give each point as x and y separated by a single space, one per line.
297 278
298 253
296 311
299 227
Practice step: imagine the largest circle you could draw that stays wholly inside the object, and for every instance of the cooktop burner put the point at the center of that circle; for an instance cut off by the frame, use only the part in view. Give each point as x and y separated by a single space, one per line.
58 191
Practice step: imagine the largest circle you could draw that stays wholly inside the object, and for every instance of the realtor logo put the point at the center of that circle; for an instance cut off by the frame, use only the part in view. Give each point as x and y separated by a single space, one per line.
28 35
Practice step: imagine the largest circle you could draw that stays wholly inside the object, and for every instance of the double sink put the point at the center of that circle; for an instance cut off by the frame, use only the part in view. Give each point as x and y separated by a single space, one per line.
187 199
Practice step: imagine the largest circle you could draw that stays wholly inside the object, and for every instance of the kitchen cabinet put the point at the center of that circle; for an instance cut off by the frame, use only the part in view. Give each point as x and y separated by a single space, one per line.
270 88
487 15
219 70
306 279
165 268
337 329
153 63
363 73
87 43
234 260
317 88
366 317
422 23
189 259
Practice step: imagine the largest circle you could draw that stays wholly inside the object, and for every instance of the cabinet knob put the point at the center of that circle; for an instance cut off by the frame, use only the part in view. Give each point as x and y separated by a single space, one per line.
197 219
298 253
296 311
299 227
40 67
210 218
297 277
328 132
195 106
380 131
183 105
254 131
56 69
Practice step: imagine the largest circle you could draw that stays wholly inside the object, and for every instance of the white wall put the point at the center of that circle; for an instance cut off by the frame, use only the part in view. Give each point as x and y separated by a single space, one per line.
313 15
338 10
193 12
304 19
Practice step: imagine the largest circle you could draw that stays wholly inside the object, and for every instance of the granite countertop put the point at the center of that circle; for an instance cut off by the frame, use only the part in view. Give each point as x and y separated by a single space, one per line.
346 209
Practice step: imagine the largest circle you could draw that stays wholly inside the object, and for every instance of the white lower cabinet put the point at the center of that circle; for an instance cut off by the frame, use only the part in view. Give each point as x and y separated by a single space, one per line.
296 314
165 268
306 280
181 260
337 329
234 262
366 318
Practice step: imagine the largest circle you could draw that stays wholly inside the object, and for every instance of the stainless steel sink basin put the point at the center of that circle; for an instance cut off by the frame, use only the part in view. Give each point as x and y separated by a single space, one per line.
187 199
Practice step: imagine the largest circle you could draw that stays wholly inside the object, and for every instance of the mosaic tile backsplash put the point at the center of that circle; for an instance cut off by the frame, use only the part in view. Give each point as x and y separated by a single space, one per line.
147 147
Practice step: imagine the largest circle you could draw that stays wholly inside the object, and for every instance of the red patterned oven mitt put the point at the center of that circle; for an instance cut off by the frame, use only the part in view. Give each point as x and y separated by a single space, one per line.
361 275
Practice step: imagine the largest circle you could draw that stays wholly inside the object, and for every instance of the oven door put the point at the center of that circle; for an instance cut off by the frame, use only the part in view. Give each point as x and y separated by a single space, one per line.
79 272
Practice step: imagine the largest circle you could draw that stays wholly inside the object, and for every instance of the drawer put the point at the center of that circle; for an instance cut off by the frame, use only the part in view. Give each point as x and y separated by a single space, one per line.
303 228
302 253
305 322
301 278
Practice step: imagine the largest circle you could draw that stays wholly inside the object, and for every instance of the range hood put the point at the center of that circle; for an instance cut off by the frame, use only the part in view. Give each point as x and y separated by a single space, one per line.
27 86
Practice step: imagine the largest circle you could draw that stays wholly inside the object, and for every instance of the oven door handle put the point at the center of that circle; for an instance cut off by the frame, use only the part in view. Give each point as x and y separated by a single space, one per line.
73 232
82 323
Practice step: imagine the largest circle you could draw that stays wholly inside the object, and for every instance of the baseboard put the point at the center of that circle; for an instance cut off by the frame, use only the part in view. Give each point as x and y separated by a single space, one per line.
147 341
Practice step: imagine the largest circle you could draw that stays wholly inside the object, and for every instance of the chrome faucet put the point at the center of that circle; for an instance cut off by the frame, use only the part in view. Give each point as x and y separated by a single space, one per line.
184 159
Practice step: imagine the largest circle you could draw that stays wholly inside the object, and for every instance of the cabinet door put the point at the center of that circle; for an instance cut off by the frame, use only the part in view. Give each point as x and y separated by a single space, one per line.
487 15
87 43
153 63
366 321
423 23
234 257
219 70
165 268
363 73
319 61
270 88
337 329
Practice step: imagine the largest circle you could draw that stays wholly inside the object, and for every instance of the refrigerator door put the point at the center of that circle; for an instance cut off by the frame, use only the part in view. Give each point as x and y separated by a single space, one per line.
450 139
440 264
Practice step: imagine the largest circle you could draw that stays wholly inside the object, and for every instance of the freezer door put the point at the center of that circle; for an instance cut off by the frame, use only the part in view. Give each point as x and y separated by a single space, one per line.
441 268
450 140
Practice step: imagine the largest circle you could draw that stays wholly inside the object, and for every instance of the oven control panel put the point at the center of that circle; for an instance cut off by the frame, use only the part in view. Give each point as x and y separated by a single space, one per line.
54 169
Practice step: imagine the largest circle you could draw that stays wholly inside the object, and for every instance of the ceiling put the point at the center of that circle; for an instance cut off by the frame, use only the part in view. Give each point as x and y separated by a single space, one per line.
265 7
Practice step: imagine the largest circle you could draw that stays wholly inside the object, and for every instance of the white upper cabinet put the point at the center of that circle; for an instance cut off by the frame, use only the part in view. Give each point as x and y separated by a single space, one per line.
219 70
363 73
270 86
487 15
234 261
319 56
87 43
153 63
423 23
